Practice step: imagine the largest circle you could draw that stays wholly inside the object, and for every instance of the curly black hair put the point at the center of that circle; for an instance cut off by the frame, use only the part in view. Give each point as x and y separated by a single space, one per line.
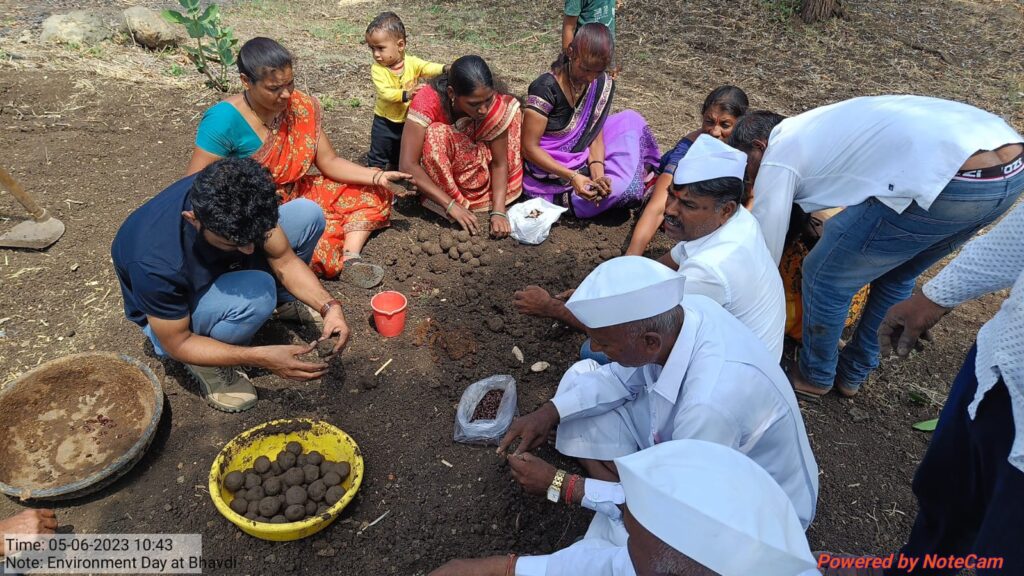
235 198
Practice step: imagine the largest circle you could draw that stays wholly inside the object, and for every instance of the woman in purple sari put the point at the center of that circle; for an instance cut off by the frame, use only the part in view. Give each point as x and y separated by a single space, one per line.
577 154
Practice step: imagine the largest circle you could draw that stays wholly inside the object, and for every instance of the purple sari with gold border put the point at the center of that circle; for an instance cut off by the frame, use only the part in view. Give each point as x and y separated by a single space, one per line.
631 152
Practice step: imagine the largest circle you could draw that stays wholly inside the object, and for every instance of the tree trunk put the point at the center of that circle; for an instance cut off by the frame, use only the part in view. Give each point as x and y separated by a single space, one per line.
818 10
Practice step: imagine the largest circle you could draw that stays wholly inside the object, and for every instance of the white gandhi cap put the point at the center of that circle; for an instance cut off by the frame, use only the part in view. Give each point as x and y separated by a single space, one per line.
716 506
707 159
626 289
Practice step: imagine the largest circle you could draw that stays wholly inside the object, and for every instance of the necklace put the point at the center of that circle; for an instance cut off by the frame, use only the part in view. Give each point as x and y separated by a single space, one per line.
277 119
568 81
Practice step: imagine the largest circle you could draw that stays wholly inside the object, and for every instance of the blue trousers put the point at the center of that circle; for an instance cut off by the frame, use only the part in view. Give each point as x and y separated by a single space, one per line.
971 499
234 307
871 243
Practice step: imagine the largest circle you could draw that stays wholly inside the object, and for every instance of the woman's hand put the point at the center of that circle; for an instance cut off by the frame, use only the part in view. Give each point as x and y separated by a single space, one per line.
603 186
583 187
500 227
491 566
464 218
400 183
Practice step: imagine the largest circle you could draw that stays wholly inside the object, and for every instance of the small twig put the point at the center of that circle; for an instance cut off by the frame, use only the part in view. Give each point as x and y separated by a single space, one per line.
379 518
381 369
447 463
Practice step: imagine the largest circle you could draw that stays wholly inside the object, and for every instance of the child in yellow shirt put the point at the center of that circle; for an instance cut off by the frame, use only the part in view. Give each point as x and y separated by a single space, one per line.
396 76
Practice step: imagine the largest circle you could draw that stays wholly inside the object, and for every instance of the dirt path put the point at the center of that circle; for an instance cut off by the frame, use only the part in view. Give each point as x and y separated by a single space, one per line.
94 146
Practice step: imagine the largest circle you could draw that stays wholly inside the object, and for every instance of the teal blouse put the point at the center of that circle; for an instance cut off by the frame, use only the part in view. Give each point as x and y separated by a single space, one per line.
225 133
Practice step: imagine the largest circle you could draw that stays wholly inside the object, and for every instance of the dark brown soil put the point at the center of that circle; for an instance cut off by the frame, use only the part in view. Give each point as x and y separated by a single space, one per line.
93 149
487 408
72 419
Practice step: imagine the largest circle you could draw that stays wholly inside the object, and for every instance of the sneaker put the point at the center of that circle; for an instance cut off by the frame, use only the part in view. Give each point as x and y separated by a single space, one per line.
298 313
225 388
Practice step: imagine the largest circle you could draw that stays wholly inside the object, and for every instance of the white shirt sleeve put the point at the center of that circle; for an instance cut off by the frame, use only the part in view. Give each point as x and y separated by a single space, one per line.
593 557
603 497
986 264
596 392
774 191
700 279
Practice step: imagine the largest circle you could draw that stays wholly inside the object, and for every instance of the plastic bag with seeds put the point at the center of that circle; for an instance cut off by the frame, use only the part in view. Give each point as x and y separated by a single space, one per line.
469 431
531 221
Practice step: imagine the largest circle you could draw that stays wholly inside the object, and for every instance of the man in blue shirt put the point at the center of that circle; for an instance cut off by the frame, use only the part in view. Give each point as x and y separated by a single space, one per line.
207 261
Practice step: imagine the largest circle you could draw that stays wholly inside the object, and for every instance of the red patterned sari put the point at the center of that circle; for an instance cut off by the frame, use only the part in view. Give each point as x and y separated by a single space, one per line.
457 156
289 153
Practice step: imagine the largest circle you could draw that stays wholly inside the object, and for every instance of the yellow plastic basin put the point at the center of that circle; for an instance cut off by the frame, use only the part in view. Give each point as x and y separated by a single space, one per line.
268 440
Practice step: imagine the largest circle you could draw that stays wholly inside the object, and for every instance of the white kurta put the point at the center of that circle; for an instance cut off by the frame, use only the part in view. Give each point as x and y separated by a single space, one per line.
720 384
898 149
733 267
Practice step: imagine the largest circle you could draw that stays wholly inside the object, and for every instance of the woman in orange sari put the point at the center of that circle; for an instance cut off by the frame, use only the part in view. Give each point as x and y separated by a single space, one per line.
461 144
280 127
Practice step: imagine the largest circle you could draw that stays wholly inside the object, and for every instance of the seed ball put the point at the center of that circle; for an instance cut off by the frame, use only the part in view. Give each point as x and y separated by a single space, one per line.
343 470
334 493
321 509
267 475
241 494
453 253
261 465
263 519
486 260
447 240
462 236
255 494
300 461
234 480
495 324
310 507
332 478
282 499
253 507
279 519
466 257
432 248
315 458
239 506
294 447
463 247
474 262
252 480
424 235
275 468
253 517
416 250
294 477
269 506
325 467
311 472
317 490
295 512
272 487
477 250
285 460
295 495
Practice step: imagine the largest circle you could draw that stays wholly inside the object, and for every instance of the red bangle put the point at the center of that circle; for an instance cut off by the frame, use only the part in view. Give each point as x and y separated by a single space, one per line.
327 307
569 489
510 566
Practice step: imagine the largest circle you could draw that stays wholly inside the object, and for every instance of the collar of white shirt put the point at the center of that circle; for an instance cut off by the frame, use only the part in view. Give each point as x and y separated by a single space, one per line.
670 380
739 219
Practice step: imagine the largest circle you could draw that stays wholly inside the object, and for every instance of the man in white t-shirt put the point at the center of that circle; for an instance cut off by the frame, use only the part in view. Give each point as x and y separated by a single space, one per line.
721 251
918 177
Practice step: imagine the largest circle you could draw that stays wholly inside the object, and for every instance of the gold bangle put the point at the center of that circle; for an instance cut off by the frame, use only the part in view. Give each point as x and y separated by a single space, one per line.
449 208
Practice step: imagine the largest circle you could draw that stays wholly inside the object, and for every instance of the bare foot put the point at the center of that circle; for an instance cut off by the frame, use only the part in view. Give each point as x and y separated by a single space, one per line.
41 521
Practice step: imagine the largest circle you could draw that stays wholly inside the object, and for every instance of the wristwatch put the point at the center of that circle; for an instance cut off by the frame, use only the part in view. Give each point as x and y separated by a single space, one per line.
555 490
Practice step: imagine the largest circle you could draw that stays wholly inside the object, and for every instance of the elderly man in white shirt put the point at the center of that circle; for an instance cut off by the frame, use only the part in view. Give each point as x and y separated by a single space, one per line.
692 507
681 368
970 484
918 177
721 251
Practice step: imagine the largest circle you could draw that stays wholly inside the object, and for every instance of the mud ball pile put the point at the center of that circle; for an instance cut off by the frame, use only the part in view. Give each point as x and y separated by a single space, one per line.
294 486
452 247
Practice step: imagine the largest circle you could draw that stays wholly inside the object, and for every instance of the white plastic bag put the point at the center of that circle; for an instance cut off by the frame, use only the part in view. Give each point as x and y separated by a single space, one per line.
469 431
531 221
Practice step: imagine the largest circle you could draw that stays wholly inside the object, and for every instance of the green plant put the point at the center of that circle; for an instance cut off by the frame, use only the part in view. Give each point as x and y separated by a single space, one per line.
783 10
215 44
328 102
926 425
175 70
354 102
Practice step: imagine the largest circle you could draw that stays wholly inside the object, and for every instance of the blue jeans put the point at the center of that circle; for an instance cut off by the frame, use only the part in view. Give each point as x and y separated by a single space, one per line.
587 354
234 307
871 243
970 498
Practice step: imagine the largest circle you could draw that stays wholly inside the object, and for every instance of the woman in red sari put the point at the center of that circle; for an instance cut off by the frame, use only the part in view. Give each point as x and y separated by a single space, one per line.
461 145
280 127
